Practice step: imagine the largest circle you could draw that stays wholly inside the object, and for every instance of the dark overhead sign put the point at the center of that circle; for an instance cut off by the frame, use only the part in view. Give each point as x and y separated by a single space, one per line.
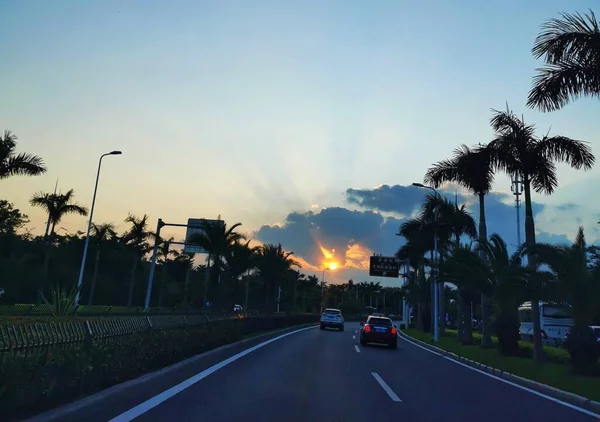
384 266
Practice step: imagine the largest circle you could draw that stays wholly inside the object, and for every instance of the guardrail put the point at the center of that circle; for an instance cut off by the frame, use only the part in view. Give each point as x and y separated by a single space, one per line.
39 337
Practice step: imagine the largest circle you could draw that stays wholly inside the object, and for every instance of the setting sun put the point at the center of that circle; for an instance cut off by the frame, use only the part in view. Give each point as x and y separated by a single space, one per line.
332 265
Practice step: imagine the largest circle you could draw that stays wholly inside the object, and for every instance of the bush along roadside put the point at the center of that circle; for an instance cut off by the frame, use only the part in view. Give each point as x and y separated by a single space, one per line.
32 381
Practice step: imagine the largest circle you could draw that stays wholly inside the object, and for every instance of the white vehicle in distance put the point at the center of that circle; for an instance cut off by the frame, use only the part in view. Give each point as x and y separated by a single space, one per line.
555 322
332 318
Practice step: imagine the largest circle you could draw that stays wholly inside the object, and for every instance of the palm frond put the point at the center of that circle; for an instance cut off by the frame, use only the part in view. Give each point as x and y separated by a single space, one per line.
578 154
22 164
556 85
575 36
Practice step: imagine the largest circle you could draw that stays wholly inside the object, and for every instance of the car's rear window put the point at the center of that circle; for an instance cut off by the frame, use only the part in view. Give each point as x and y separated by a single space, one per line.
384 322
332 311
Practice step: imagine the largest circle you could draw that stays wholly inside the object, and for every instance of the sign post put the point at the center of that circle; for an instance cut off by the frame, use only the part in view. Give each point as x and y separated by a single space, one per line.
384 266
194 226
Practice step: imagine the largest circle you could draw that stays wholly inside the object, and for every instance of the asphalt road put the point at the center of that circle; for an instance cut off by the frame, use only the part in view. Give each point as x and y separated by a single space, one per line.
319 376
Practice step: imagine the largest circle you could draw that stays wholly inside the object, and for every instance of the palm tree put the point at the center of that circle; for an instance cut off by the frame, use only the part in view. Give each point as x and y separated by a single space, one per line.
419 233
571 50
57 205
217 240
102 233
273 263
500 276
472 169
516 150
13 164
579 286
451 221
242 260
136 238
186 259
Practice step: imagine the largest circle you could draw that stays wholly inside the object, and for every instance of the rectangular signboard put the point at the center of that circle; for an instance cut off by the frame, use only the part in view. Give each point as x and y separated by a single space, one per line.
194 226
384 266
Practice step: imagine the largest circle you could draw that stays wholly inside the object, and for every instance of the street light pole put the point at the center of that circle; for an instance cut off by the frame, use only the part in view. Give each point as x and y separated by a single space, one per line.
89 227
436 334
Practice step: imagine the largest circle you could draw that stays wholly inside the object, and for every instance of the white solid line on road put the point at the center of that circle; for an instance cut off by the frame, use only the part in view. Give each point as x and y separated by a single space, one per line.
418 345
356 348
386 387
142 408
537 393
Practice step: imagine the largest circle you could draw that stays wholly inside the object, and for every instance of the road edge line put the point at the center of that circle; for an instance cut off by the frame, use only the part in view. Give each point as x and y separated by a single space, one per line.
54 415
567 397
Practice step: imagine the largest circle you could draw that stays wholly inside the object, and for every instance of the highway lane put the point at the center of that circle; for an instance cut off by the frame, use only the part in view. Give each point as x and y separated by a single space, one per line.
326 376
310 376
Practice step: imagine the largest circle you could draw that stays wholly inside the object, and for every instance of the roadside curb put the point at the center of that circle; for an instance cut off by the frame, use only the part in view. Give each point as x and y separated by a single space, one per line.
570 398
55 415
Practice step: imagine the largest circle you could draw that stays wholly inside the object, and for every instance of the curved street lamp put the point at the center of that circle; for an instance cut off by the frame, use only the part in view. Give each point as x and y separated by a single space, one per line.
89 227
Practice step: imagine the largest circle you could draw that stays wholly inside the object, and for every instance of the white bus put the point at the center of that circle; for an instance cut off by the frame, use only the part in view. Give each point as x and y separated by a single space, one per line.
555 322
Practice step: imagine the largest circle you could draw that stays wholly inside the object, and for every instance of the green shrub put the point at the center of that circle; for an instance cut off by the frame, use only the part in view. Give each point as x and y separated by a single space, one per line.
31 383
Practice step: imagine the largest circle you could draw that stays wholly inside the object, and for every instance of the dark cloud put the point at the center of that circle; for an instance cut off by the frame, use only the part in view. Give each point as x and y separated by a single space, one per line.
399 199
340 228
335 228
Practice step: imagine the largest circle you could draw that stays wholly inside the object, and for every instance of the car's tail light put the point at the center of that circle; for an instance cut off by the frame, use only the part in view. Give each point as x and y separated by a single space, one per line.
367 328
394 330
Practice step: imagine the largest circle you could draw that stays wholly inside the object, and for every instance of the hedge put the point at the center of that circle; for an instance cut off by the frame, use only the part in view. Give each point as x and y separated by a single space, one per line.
34 382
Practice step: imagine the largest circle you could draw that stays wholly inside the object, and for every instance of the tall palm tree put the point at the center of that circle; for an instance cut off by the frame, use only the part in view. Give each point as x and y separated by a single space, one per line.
472 168
579 286
136 238
273 262
516 150
217 240
13 164
101 233
57 205
571 50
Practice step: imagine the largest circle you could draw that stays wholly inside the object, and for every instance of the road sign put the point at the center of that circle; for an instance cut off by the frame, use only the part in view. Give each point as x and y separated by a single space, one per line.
384 266
194 226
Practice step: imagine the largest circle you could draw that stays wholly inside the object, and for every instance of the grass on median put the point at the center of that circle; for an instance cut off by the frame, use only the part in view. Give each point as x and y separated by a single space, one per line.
554 374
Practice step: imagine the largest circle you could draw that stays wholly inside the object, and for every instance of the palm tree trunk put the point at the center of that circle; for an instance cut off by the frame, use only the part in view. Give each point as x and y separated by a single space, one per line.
467 321
186 285
538 347
206 281
459 304
248 289
132 280
441 298
486 335
295 294
46 273
432 292
94 276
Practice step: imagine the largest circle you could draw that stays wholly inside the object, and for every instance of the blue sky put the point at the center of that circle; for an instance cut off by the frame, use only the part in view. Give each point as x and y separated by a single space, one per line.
257 109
